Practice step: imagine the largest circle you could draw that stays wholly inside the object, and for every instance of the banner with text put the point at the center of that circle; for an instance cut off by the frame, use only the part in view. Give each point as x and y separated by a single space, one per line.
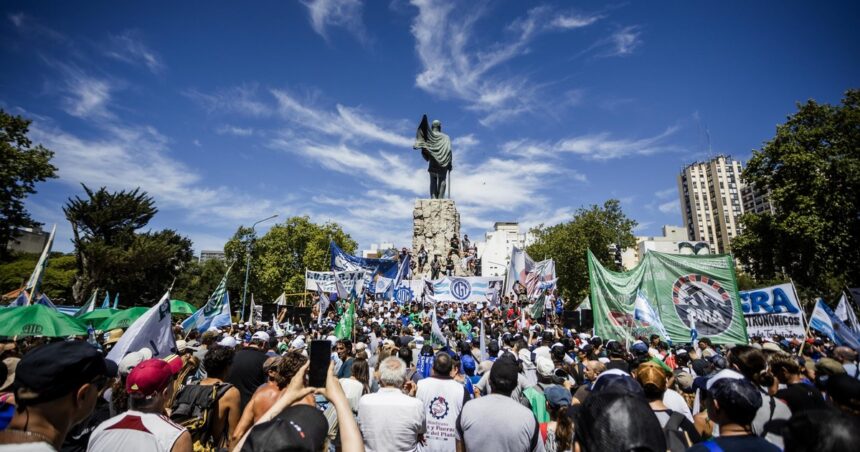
350 279
772 311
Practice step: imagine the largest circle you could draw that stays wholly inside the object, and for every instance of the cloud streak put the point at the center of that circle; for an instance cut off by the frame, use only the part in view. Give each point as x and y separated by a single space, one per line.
336 13
129 48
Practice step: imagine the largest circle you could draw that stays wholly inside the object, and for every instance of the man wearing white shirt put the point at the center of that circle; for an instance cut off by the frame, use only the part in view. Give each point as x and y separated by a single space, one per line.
390 420
443 399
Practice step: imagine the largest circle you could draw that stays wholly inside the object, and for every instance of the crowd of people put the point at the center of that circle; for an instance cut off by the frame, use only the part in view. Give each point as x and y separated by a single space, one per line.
483 378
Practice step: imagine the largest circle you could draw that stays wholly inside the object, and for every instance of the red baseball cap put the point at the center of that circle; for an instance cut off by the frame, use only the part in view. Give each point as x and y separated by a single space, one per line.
150 377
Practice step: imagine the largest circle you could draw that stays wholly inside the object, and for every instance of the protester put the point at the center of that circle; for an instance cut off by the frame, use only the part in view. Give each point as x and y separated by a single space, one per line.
358 383
144 427
558 432
800 395
497 422
391 420
822 431
771 416
443 399
343 348
680 431
617 421
247 373
56 386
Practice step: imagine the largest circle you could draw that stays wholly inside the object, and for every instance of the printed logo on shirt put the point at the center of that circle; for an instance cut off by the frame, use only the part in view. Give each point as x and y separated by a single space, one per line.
438 407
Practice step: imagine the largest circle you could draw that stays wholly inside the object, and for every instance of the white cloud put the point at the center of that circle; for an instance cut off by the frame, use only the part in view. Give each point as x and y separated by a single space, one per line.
667 193
129 48
196 142
572 21
624 41
603 146
640 227
227 129
669 207
336 13
452 68
84 96
240 99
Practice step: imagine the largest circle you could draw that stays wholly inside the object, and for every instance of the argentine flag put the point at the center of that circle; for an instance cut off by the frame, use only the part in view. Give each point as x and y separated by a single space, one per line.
643 312
825 321
216 311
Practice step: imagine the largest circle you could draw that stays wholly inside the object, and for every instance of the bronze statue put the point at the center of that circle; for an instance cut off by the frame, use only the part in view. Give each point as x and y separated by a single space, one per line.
435 147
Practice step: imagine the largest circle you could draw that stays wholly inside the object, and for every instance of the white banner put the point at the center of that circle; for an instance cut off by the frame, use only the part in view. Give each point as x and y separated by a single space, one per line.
154 330
474 289
350 280
772 311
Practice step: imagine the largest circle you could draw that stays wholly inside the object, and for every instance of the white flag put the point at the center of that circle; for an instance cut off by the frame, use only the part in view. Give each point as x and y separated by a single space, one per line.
483 343
342 293
153 330
323 303
89 306
281 300
845 312
36 277
253 314
435 331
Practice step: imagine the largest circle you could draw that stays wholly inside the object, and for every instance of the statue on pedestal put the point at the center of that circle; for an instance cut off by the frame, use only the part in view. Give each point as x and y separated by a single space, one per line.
435 147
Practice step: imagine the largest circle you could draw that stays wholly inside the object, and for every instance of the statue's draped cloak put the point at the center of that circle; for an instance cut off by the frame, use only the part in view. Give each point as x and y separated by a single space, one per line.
437 144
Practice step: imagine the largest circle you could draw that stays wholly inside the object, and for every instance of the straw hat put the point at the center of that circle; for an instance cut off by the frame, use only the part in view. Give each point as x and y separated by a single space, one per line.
113 336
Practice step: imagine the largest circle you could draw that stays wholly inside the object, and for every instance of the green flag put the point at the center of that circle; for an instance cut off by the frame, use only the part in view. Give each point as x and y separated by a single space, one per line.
537 308
682 292
343 330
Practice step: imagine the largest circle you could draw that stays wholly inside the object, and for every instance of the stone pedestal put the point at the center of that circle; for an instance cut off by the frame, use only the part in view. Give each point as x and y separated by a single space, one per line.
434 222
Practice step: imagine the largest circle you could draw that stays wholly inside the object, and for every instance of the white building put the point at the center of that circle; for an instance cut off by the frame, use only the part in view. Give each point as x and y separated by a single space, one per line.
710 195
495 251
674 240
376 250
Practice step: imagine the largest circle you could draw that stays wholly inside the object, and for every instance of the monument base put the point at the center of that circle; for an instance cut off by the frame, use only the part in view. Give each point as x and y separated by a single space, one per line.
434 222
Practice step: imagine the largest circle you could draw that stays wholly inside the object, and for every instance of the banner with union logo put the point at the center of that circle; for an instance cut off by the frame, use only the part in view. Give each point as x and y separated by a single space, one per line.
683 292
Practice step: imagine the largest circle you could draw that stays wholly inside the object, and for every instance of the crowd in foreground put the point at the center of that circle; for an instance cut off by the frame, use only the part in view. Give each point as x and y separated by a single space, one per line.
399 383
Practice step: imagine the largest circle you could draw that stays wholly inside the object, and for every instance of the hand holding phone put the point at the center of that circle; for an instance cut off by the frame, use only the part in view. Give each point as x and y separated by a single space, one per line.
320 356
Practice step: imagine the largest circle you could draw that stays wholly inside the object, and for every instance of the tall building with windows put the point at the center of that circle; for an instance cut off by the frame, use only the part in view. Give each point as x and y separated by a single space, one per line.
755 200
711 202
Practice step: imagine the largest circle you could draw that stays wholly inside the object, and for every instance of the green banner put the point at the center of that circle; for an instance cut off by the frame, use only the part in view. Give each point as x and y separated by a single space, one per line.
668 295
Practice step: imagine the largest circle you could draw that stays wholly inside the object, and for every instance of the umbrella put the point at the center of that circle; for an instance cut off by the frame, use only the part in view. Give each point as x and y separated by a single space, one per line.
97 316
181 307
123 318
39 320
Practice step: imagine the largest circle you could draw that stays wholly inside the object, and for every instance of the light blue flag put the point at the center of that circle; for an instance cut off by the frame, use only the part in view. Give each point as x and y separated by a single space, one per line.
116 301
401 273
825 321
45 301
643 312
216 311
106 302
89 306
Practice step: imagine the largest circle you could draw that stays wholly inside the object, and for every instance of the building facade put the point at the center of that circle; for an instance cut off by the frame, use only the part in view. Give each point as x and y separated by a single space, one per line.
674 240
755 200
495 250
28 240
710 194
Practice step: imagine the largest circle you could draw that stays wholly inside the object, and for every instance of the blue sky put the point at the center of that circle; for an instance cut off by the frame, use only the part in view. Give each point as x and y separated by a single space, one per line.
228 113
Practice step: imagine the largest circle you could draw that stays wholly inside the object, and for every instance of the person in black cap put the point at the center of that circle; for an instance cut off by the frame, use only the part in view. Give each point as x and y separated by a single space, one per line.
56 387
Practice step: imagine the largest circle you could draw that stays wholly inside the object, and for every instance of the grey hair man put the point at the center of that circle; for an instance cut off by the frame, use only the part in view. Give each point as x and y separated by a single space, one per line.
389 419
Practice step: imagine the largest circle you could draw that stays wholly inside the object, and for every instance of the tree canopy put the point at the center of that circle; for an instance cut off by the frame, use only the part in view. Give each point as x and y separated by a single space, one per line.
812 170
21 166
597 228
56 282
112 255
280 257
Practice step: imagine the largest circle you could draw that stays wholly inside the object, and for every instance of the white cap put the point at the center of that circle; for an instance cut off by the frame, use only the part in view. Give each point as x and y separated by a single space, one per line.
544 366
260 336
228 341
722 375
131 360
298 343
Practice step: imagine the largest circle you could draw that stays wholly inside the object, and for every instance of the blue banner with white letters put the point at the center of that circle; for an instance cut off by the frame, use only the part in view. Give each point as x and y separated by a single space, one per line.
373 268
771 311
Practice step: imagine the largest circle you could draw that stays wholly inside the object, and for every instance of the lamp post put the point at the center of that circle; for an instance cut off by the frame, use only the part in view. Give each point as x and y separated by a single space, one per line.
248 265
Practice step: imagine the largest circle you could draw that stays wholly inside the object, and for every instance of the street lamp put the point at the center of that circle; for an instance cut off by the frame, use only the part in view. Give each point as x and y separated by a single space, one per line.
248 265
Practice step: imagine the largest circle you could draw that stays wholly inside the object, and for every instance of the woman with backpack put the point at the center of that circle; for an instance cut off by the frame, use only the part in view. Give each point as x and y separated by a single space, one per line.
680 432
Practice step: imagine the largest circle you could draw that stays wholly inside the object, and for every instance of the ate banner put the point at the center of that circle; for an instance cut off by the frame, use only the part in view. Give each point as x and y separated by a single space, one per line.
668 294
771 311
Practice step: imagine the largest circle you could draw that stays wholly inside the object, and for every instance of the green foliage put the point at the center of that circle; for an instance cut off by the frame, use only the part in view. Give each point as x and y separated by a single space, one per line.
21 166
595 228
197 281
56 282
812 169
279 258
112 255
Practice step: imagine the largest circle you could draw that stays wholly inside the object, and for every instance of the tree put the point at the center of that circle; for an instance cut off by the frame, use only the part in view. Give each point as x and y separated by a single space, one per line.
110 253
198 280
812 171
596 228
279 258
56 282
21 166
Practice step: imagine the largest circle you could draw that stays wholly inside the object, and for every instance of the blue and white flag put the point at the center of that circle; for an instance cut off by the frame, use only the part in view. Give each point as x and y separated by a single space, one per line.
846 314
45 301
216 311
89 306
106 301
116 301
694 334
373 268
22 300
825 321
402 271
644 313
473 289
153 330
436 332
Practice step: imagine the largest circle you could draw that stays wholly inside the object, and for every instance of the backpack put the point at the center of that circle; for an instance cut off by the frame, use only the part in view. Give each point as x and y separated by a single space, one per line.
676 441
193 409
